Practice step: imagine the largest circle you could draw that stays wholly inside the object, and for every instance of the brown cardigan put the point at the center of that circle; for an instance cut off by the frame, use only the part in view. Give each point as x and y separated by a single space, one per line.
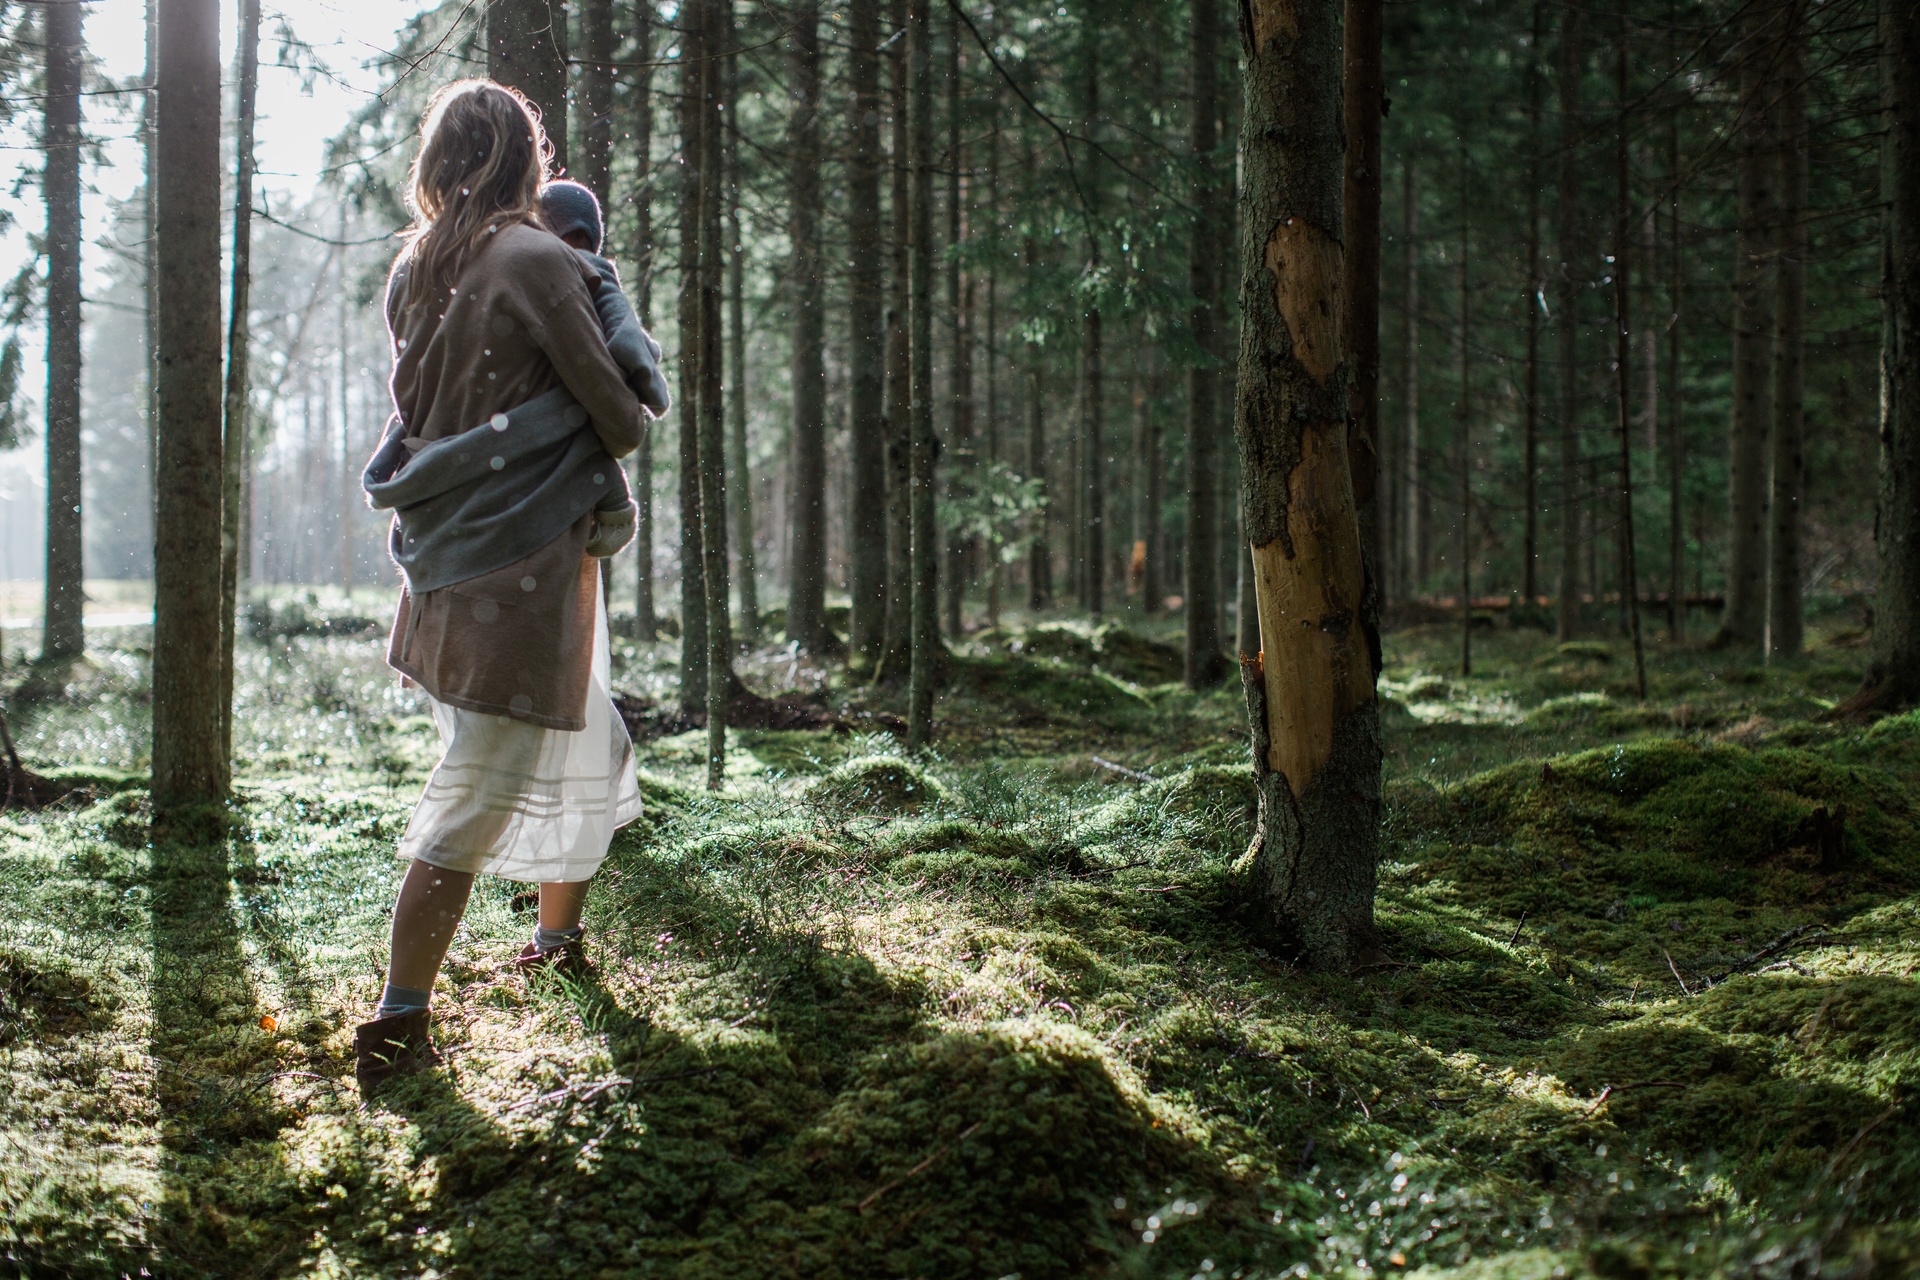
519 322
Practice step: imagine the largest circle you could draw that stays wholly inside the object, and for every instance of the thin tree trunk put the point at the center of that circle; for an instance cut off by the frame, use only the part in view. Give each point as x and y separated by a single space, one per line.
63 616
1743 622
1571 616
1365 94
1310 696
1093 402
693 585
1893 672
1785 624
963 468
1205 665
897 646
716 17
188 767
348 473
234 418
1676 395
926 556
646 623
594 167
527 48
1623 356
1411 549
866 506
1040 554
1647 341
1464 462
807 571
150 178
1535 291
736 251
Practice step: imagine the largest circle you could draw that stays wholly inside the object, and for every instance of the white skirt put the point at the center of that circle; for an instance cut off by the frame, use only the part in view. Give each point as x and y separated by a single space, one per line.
523 802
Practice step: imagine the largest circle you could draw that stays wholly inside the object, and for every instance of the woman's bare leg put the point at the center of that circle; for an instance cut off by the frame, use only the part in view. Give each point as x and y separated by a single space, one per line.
432 901
561 903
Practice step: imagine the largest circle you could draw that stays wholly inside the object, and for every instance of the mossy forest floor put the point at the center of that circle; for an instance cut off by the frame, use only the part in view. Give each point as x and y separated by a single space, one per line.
1000 1014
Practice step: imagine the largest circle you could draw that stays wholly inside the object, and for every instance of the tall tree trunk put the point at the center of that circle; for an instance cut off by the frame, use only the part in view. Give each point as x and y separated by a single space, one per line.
926 556
897 647
962 470
646 623
1623 353
1093 392
1365 96
1205 665
188 768
1413 550
1310 696
527 48
1785 625
1464 461
736 251
807 571
1040 554
63 617
1676 396
866 354
1143 569
595 162
716 17
990 347
1568 249
693 559
234 417
149 267
1743 623
1535 291
1893 672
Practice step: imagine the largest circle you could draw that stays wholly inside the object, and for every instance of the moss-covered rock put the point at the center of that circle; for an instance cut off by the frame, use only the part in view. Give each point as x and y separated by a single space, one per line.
867 785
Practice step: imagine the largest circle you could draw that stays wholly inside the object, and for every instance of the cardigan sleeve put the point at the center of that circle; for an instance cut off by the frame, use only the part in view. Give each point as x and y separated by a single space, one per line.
565 326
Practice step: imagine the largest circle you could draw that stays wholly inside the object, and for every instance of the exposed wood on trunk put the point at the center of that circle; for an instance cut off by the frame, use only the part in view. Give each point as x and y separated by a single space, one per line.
527 48
1205 665
188 767
1315 722
63 623
866 341
1785 621
924 534
234 417
807 568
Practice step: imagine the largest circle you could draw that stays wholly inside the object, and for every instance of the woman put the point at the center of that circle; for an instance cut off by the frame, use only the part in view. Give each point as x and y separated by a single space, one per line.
509 411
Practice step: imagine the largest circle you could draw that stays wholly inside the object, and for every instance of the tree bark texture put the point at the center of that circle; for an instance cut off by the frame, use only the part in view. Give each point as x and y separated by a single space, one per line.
1040 554
1676 401
1310 694
1571 614
594 167
1093 392
188 768
866 346
1743 622
1893 673
63 617
646 621
693 586
234 417
926 554
807 568
741 490
1535 290
527 48
1463 461
1205 665
1413 548
896 654
962 471
1786 635
1365 93
1623 339
717 19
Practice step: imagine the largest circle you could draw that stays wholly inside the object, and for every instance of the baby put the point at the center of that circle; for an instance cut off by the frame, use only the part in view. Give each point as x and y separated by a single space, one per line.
572 212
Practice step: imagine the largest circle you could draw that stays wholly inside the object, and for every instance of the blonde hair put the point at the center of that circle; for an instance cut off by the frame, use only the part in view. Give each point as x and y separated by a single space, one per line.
483 158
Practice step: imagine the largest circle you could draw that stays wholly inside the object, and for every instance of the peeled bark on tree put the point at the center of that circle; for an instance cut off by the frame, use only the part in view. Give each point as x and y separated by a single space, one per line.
234 408
1205 665
1414 544
1893 673
527 48
1568 249
866 343
742 488
693 585
1365 98
188 768
595 167
646 623
63 621
925 545
1785 621
807 566
1310 694
717 19
896 650
1743 621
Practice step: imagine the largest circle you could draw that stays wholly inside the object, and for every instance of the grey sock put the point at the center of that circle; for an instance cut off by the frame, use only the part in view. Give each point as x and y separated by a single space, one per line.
545 939
397 1000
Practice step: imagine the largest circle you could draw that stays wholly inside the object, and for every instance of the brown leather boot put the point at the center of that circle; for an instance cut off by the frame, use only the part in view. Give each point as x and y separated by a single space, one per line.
391 1046
570 959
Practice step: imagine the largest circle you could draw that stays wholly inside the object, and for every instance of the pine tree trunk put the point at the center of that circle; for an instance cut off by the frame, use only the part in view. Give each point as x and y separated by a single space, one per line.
716 17
1040 554
234 416
925 546
866 354
1676 397
188 768
527 48
736 250
149 266
63 618
1412 553
1093 393
897 646
1310 696
1893 673
1743 622
961 469
1205 665
646 623
693 559
1535 290
594 167
1365 94
1785 624
1568 249
1629 575
807 571
1463 462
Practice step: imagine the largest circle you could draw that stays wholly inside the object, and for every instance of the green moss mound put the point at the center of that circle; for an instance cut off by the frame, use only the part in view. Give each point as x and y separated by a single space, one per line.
1111 647
876 785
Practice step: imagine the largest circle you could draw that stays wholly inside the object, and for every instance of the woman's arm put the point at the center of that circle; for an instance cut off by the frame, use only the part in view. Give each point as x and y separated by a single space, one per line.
569 334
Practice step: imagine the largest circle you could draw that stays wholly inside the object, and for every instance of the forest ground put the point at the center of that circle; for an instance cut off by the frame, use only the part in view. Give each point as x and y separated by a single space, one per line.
1001 1013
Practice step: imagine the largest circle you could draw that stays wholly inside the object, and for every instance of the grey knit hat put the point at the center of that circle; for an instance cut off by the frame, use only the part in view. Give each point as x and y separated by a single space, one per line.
568 207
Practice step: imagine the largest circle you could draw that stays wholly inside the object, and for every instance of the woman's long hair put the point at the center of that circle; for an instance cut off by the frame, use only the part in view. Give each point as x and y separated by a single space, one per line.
483 157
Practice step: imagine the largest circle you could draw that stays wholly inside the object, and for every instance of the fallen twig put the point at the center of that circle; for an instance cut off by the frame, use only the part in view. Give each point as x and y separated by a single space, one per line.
1518 926
1675 970
1122 770
1778 944
920 1168
1107 871
1612 1089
